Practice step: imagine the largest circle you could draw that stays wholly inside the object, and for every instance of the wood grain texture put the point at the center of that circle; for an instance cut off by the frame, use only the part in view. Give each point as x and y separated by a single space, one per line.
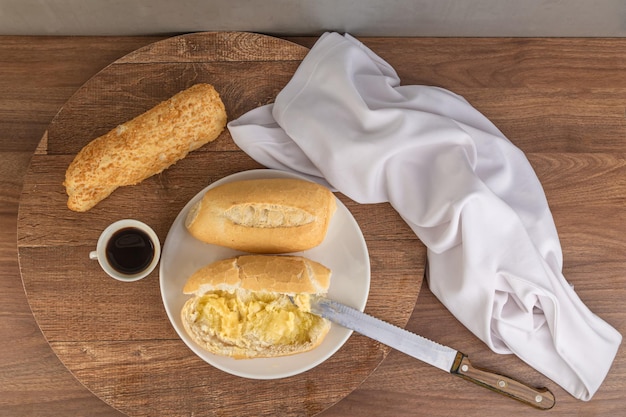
560 100
96 325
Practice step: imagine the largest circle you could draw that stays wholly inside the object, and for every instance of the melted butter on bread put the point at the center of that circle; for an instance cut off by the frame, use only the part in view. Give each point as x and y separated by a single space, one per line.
269 318
241 307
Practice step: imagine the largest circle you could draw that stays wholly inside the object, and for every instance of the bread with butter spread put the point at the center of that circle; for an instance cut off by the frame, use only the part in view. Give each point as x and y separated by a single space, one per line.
144 146
240 306
272 215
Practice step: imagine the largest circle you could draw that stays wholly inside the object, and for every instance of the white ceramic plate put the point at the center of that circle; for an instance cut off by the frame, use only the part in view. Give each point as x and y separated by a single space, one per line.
343 251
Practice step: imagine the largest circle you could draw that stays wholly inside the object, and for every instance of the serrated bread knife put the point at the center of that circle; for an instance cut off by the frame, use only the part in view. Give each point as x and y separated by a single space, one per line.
442 357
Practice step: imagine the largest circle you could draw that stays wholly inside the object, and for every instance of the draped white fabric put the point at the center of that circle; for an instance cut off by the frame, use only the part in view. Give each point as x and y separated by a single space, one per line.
466 191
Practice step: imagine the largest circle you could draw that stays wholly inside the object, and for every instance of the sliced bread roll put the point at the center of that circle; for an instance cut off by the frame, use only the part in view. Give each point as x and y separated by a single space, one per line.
278 215
144 146
240 306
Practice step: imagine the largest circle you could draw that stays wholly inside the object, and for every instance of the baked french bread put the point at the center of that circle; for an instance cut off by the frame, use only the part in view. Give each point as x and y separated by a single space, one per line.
240 306
144 146
277 215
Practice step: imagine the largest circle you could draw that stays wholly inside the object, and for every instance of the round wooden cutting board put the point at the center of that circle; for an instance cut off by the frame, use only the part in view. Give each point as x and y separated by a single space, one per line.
115 337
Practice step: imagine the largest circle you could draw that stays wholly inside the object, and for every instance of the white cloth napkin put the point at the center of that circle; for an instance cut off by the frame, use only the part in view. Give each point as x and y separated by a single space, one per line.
467 192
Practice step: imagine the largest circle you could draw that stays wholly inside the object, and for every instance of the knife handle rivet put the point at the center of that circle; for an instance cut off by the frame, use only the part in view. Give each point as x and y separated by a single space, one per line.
502 384
538 398
464 368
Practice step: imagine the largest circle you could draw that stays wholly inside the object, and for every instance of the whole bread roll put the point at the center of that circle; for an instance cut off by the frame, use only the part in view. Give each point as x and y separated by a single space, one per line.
144 146
240 306
277 215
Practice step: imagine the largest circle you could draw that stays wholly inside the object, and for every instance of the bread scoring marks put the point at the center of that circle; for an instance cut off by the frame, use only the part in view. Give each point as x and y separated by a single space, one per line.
312 276
262 215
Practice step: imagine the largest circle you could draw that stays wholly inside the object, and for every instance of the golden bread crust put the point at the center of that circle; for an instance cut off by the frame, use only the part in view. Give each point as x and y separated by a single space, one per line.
144 146
284 274
279 215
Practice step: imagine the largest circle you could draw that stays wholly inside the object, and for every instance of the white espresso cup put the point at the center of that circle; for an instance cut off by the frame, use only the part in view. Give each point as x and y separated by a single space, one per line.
128 250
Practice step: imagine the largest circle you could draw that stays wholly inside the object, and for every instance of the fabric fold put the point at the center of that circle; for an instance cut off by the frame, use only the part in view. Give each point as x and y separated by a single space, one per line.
467 192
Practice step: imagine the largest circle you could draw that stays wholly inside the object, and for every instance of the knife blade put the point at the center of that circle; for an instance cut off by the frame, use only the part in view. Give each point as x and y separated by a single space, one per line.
442 357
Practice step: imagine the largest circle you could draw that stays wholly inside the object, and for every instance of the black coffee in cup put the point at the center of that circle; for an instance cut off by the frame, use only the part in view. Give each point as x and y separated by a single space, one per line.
130 250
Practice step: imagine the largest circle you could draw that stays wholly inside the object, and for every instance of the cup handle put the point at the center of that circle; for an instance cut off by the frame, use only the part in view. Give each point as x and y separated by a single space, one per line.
93 255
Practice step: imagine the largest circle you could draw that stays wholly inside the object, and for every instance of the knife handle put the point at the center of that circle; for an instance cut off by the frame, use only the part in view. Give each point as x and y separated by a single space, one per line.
541 398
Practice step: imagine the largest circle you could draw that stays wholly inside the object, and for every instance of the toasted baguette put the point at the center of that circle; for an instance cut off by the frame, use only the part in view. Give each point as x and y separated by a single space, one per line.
278 215
144 146
240 306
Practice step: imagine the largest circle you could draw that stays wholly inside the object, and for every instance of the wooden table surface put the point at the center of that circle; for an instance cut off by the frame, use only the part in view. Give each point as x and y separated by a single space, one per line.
116 337
562 101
